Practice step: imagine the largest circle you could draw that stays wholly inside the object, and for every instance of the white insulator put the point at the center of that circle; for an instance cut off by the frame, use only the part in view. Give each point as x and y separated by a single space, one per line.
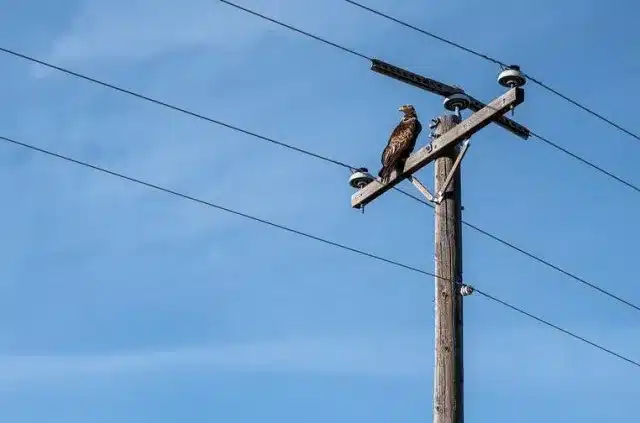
360 179
466 290
457 102
512 77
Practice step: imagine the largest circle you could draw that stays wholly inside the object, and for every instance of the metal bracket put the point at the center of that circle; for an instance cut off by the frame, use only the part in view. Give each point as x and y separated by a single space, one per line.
465 146
416 183
437 199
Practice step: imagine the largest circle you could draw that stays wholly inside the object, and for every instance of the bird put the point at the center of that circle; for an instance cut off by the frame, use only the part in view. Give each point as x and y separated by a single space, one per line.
401 143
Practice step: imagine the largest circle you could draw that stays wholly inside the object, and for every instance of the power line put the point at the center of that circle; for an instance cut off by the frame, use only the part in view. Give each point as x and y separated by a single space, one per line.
558 328
167 105
298 30
183 110
306 235
588 163
573 155
186 111
496 61
235 128
534 257
209 204
330 160
351 51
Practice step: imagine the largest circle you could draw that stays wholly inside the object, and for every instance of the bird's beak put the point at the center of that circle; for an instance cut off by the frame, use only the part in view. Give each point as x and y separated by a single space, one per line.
401 109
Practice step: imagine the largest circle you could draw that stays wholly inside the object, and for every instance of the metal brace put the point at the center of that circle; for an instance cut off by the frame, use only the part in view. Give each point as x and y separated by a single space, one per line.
465 146
437 199
416 183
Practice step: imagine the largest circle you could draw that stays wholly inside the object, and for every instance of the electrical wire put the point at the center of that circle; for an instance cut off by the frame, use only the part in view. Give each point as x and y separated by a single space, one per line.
496 61
298 30
546 140
588 163
167 105
558 328
308 34
351 51
327 159
209 204
534 257
309 236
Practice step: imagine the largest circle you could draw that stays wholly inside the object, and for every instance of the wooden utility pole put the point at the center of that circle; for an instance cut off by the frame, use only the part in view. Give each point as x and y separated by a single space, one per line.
450 140
448 374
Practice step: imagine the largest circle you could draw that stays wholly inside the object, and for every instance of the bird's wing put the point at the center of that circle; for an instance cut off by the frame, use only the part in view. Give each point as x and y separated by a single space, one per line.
402 138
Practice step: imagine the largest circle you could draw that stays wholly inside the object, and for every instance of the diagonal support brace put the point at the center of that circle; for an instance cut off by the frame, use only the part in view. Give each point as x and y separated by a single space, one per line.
465 146
437 199
416 183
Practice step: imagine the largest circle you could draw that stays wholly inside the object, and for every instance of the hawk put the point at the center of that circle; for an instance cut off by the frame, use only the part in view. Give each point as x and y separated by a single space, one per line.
401 143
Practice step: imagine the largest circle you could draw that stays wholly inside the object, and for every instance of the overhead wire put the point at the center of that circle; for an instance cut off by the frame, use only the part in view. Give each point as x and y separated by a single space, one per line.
558 328
308 34
308 236
534 257
324 158
364 56
209 204
586 162
167 105
282 227
546 140
293 28
496 61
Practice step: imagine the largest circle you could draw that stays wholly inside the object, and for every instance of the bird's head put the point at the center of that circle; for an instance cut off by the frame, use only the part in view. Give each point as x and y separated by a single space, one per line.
408 110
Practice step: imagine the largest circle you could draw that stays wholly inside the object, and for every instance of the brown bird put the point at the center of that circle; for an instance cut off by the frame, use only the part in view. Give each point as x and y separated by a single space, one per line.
401 143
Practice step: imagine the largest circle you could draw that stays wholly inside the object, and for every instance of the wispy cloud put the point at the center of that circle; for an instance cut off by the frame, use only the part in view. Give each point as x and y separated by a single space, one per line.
533 357
115 31
394 356
495 362
144 28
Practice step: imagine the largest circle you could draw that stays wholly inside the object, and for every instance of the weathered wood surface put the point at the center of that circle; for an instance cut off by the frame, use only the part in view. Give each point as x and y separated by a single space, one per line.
430 152
448 372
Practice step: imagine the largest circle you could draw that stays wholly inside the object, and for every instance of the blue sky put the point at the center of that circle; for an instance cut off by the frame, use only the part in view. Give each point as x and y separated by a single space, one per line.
118 303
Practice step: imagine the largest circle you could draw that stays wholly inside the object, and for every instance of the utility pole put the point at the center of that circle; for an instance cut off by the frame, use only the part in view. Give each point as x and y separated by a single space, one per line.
450 140
448 389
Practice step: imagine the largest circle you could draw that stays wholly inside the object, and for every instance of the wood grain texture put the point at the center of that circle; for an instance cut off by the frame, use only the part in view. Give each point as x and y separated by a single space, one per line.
448 372
430 152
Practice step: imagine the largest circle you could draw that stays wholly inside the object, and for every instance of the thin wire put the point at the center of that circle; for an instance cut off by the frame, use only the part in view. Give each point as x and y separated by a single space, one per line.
298 30
306 235
235 128
327 159
496 61
183 110
573 155
534 257
346 49
167 105
588 163
209 204
558 328
430 34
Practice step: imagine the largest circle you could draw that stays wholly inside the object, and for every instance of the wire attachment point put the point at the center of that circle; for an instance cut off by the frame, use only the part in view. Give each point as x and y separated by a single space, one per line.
466 290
